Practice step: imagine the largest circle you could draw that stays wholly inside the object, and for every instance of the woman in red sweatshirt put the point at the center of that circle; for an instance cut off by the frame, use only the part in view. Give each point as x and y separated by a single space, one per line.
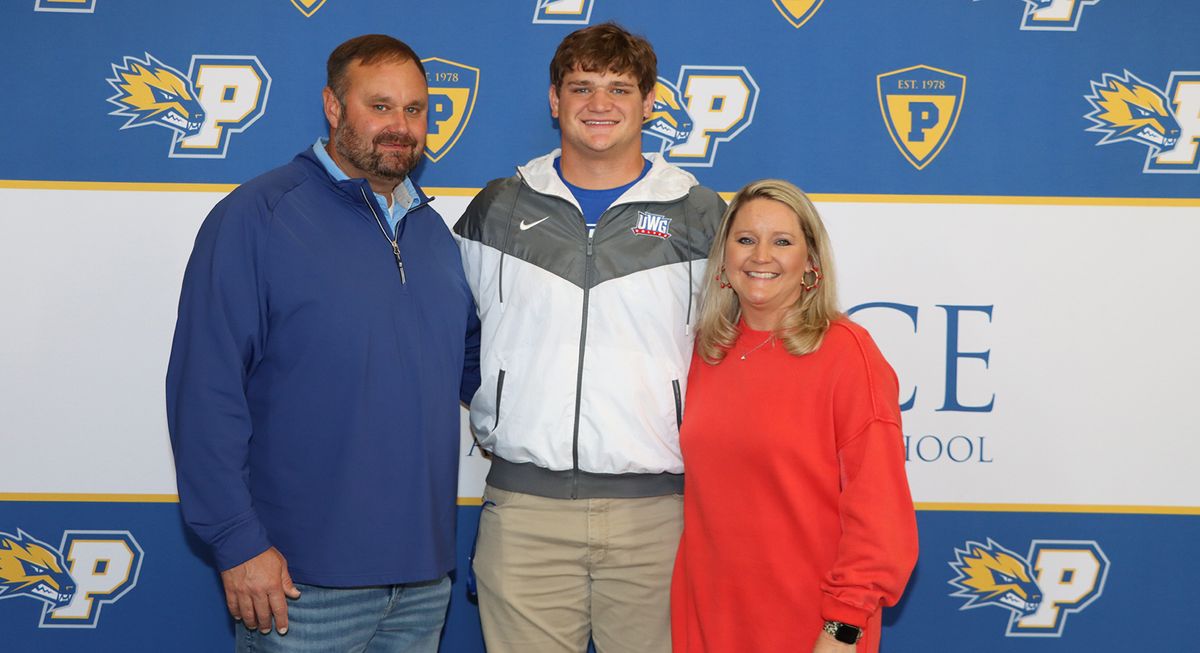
798 522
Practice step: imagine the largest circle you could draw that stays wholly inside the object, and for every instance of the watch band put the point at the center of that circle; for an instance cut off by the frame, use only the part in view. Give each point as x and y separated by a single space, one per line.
844 633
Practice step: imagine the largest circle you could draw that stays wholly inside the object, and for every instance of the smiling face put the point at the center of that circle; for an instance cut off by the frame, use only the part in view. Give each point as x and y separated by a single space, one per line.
600 115
377 130
766 257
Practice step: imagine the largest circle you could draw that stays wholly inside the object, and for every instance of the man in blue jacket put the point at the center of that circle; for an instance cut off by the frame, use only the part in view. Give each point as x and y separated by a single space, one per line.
326 334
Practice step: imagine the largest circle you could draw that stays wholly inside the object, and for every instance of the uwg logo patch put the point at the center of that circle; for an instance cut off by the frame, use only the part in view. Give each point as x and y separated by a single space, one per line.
563 12
652 224
920 107
1126 108
797 12
717 104
453 88
218 97
1053 15
1056 579
88 570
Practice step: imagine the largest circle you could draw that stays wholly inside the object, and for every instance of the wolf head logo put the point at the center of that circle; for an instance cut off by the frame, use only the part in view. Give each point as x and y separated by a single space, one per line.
669 119
1128 109
34 569
152 93
992 575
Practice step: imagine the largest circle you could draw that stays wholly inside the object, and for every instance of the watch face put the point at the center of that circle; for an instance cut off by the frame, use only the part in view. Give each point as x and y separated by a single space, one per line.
847 634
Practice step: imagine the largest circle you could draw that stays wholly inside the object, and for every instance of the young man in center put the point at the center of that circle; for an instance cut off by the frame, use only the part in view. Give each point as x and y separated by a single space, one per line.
586 267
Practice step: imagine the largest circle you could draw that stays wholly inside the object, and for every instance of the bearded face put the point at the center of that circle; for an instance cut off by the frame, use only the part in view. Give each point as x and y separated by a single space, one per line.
388 155
378 121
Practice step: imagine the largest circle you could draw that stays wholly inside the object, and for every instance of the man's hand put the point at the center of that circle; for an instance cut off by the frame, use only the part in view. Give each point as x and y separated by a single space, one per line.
827 644
254 591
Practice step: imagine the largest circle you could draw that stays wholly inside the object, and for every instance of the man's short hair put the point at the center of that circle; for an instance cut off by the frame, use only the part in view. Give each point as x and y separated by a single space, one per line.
606 47
366 49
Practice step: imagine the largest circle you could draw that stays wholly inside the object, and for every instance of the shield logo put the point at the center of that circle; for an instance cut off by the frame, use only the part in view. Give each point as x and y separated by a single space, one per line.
66 6
308 7
452 90
1053 15
920 107
563 12
797 11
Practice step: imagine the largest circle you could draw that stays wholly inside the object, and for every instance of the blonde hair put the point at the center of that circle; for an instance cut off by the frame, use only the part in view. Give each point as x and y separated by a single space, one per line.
804 324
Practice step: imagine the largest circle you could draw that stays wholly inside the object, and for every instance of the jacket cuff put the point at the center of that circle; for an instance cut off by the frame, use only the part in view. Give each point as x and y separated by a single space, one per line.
239 543
835 610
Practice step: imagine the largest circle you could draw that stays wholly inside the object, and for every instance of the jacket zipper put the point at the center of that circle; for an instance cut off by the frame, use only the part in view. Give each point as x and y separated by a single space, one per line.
587 282
394 241
587 288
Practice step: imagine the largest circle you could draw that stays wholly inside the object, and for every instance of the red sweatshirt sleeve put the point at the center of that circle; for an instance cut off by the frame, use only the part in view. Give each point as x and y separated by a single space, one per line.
878 545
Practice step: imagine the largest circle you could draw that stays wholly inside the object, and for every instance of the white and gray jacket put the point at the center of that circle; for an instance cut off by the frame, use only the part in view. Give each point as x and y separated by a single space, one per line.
586 338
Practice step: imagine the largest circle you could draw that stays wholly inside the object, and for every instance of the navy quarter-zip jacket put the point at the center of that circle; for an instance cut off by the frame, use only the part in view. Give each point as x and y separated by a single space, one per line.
312 392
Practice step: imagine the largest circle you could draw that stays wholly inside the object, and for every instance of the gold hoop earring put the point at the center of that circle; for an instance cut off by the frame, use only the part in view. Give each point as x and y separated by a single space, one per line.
721 279
811 279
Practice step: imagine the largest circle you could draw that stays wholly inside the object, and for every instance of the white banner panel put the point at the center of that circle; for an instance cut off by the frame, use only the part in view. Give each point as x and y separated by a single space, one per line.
90 284
1085 317
1046 350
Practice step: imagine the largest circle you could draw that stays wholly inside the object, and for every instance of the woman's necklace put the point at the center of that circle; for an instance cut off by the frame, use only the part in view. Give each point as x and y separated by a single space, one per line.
770 339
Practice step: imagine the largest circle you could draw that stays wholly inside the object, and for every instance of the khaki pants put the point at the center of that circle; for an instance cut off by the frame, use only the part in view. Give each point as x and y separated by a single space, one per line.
553 572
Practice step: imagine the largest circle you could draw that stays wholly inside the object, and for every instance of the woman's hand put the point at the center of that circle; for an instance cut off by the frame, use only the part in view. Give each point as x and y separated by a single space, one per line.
827 644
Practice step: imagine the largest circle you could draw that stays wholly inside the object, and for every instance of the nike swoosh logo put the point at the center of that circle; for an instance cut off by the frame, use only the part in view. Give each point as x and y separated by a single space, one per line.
528 225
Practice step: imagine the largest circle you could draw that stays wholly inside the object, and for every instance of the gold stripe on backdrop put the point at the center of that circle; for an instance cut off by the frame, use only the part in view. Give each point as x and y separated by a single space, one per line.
67 497
440 191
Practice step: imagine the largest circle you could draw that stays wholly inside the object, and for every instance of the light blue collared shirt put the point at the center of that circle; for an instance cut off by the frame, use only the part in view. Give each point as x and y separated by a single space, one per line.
404 198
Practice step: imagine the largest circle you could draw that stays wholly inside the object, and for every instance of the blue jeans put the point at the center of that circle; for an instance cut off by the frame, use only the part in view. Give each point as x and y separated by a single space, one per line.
388 619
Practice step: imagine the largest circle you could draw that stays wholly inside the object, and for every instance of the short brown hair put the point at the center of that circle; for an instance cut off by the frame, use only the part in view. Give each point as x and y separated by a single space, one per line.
606 47
366 49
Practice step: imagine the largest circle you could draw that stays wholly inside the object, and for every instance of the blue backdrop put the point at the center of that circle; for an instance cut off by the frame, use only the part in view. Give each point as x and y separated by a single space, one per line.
1064 102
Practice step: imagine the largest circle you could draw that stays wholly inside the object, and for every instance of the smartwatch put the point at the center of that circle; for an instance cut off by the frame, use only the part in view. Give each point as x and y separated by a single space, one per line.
844 633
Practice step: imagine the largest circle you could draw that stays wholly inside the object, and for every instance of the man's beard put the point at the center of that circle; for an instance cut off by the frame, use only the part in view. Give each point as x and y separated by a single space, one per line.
393 166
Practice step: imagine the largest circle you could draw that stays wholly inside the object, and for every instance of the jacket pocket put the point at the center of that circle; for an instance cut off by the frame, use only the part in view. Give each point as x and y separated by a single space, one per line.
678 403
500 394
